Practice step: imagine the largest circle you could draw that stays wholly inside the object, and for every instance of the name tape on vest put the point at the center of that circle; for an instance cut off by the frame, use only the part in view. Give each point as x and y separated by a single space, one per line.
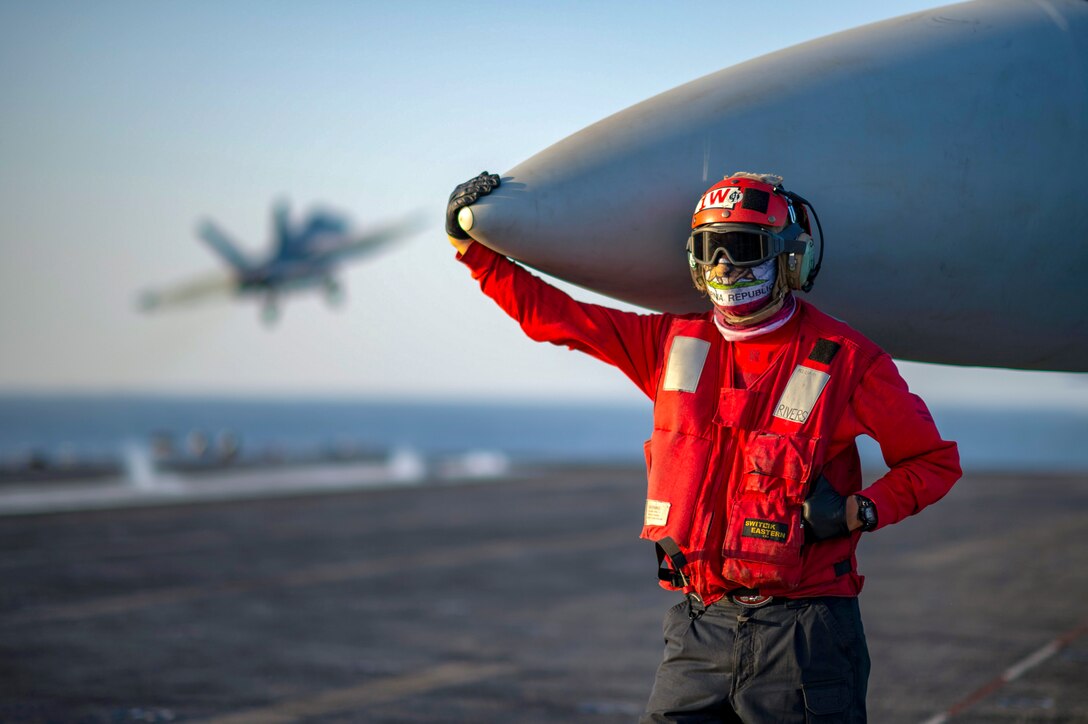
685 366
766 529
801 393
657 512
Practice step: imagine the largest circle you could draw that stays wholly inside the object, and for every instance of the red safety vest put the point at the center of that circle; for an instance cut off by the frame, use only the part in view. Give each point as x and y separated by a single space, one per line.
729 468
730 463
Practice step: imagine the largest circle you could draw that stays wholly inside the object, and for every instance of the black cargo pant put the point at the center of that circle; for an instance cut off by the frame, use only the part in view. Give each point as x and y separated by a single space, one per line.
798 661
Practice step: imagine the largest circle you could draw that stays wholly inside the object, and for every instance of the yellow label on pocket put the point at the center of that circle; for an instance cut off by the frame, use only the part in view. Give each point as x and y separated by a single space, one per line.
765 529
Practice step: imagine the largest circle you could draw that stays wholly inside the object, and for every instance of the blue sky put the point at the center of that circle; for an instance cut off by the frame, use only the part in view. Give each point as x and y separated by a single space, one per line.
124 123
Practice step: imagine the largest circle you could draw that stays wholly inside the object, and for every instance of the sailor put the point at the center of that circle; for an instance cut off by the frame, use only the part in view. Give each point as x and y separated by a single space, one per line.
755 500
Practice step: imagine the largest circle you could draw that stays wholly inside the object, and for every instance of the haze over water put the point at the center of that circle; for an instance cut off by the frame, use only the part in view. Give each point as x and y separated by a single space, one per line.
1015 439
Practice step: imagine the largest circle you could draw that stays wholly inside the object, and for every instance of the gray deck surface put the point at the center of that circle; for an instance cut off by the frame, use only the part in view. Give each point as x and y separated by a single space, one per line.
529 600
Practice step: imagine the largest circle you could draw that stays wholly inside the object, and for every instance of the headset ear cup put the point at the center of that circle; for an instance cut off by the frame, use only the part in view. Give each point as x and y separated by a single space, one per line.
799 266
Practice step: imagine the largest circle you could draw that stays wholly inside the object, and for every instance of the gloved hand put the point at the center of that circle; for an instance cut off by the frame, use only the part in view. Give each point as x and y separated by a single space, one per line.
465 194
824 512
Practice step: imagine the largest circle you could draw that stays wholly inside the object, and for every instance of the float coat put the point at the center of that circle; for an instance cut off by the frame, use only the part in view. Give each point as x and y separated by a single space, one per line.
729 463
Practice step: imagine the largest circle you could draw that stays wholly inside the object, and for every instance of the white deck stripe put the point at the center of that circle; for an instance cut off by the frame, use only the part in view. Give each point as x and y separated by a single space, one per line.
1020 668
1012 673
938 719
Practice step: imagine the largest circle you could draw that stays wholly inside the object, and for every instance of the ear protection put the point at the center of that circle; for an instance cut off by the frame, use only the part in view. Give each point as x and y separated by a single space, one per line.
798 265
802 267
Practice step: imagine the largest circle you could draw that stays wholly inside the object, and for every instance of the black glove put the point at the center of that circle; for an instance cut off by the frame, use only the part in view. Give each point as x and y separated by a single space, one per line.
824 512
466 194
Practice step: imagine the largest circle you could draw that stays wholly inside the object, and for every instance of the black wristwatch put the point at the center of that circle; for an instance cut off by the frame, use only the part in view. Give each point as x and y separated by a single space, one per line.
866 512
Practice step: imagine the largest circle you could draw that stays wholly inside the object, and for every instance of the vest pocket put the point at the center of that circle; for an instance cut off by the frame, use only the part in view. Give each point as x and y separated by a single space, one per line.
676 465
763 534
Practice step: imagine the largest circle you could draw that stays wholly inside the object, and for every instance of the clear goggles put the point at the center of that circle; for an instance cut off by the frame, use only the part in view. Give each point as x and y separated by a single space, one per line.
740 244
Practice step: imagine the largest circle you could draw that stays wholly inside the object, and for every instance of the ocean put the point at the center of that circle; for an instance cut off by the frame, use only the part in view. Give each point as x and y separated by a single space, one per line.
991 439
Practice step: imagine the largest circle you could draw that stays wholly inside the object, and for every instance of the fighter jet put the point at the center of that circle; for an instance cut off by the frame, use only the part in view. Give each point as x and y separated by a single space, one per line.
304 255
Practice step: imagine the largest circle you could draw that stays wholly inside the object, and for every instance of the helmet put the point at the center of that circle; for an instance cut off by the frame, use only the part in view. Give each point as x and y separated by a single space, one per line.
742 199
749 218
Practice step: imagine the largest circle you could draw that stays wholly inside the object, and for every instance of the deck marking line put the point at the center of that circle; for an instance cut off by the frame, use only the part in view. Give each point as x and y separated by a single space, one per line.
375 691
322 573
1012 673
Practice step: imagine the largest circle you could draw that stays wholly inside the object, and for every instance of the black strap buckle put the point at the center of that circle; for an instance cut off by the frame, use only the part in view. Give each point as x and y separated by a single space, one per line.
696 607
667 548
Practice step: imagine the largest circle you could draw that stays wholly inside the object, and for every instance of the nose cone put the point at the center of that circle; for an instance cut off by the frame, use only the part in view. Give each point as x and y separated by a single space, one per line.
615 191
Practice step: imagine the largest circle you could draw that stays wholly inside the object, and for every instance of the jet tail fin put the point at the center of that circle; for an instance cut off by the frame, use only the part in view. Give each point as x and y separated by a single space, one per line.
224 246
281 228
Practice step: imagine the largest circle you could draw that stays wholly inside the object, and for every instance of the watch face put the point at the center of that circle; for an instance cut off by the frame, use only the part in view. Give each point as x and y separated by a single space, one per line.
866 513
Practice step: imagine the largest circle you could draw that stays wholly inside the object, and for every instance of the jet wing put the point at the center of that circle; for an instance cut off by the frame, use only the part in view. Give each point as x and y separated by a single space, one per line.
185 293
226 247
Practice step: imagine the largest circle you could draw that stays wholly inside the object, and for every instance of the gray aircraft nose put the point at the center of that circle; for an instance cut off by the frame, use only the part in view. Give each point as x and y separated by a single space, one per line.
943 151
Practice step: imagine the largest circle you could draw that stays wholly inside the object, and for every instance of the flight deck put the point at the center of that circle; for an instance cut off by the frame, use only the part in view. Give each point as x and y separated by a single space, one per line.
528 598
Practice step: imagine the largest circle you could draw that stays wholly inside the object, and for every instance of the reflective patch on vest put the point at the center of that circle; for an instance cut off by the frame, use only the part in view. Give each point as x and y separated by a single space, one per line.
657 512
803 390
765 529
685 365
